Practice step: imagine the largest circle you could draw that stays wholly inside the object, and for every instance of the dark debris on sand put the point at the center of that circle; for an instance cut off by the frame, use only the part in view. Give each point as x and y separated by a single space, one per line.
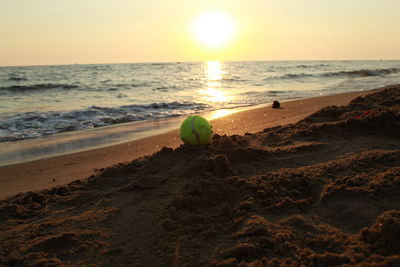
322 192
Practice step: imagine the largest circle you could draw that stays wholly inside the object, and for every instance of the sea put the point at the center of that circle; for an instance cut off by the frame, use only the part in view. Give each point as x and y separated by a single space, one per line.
43 108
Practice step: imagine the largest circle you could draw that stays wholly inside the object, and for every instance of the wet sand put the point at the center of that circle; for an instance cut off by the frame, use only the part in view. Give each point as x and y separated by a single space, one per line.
322 190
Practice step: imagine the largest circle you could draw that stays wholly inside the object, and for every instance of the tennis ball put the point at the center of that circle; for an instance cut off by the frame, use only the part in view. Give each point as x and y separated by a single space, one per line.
195 130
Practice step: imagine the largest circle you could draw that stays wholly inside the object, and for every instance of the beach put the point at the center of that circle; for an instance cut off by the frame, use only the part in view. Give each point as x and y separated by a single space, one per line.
47 172
313 183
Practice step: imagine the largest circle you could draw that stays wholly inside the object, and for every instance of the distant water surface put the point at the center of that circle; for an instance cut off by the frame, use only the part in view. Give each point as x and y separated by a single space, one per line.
44 100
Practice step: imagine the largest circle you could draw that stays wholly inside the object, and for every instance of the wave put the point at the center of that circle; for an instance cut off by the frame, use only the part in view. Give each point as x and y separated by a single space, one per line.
363 72
128 85
17 79
166 88
290 76
42 86
353 73
35 124
160 64
268 93
303 66
234 79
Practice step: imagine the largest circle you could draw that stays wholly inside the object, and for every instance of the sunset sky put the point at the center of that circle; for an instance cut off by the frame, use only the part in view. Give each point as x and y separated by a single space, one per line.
102 31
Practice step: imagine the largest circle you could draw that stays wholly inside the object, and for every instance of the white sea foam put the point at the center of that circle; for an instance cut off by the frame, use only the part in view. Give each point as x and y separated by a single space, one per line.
34 124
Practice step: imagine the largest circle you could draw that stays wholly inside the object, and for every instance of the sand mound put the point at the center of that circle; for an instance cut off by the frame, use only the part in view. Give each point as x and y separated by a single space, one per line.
324 191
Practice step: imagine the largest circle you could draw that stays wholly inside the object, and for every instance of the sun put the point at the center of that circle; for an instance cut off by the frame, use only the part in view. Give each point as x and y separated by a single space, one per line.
214 29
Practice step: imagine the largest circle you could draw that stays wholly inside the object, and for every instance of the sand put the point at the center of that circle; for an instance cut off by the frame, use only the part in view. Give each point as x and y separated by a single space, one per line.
323 191
54 171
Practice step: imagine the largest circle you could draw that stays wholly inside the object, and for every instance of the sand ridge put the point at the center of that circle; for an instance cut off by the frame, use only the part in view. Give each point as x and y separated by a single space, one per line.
320 192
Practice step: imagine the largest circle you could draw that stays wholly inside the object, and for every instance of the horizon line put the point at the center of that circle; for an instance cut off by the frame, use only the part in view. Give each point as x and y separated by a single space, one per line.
172 62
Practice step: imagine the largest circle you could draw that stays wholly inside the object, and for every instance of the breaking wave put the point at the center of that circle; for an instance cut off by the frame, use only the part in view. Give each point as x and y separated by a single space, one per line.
35 124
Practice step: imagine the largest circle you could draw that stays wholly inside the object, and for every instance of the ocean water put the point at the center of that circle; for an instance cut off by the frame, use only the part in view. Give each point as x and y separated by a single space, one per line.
38 101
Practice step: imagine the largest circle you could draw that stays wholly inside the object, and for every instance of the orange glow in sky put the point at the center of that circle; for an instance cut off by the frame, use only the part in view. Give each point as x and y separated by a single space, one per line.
102 31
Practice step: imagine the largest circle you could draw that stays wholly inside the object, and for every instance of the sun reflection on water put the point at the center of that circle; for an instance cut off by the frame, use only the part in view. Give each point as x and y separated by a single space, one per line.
214 73
213 95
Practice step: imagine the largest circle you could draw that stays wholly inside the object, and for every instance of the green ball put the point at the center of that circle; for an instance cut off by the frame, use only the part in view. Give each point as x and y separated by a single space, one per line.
196 130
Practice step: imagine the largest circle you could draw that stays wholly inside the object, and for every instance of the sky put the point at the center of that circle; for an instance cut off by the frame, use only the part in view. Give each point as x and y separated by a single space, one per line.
47 32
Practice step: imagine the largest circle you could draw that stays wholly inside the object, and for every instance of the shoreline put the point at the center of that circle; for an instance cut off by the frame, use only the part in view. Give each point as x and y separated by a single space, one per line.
58 170
70 142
